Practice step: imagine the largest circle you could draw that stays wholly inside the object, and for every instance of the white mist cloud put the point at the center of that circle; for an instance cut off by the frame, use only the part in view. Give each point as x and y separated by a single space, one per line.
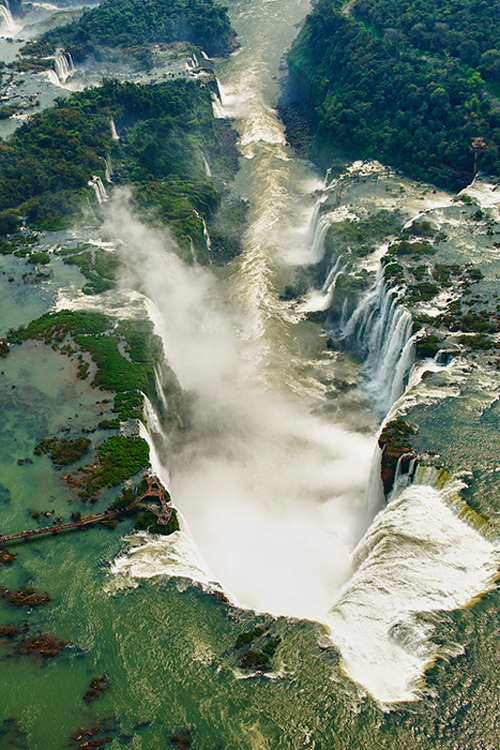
272 494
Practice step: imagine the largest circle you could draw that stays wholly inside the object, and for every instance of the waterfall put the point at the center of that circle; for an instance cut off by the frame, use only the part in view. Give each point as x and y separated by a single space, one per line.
313 225
191 63
403 478
253 463
109 171
206 234
208 171
7 23
217 104
381 329
192 250
404 364
218 107
321 300
318 228
426 551
114 134
318 245
53 77
332 276
374 497
160 390
64 67
149 556
99 189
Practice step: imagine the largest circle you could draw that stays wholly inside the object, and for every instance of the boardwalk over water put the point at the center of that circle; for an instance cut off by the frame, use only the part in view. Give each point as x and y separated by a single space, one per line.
154 491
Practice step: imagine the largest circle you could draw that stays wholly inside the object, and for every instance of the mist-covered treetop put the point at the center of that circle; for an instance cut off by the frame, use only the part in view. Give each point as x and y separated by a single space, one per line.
129 23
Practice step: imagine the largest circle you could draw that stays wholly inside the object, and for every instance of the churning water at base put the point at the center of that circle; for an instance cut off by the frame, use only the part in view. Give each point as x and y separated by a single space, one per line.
418 557
272 494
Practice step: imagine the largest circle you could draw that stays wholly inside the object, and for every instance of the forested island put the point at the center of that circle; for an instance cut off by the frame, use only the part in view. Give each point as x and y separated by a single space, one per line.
49 161
133 24
411 85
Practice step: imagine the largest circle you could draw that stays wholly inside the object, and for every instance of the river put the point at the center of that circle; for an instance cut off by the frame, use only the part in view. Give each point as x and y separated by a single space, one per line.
273 477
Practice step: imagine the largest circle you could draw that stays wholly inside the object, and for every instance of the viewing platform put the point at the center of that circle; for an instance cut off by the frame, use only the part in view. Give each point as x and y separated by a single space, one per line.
155 492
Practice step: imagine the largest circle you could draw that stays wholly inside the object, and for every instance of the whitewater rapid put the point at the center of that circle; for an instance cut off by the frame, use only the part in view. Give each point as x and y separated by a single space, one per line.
271 493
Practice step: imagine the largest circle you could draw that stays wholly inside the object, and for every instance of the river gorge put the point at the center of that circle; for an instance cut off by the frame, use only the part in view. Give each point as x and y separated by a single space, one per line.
369 605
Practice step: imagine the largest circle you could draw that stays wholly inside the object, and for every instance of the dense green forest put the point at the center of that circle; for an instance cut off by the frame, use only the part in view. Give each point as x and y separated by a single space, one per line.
466 29
131 23
377 95
166 131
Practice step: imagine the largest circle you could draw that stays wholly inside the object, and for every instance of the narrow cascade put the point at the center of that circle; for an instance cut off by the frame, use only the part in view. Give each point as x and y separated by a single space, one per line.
217 107
99 189
206 234
64 67
374 498
208 171
381 329
159 389
426 551
313 225
114 133
109 171
321 225
321 300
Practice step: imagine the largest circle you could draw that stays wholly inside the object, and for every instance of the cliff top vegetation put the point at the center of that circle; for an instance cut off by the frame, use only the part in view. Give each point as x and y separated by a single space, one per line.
129 23
397 82
167 134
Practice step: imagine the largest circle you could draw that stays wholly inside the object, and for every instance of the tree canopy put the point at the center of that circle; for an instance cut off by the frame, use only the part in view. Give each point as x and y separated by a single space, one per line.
167 131
129 23
376 95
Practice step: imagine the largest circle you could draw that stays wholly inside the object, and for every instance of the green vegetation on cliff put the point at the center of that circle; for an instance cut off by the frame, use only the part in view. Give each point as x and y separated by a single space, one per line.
125 354
466 29
166 132
380 96
131 23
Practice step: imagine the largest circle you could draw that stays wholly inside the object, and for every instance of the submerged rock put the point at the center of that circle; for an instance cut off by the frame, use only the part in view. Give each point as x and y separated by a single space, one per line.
97 686
46 646
26 597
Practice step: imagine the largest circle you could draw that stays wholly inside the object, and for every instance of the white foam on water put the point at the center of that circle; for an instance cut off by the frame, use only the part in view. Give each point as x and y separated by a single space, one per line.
8 26
149 556
418 557
271 493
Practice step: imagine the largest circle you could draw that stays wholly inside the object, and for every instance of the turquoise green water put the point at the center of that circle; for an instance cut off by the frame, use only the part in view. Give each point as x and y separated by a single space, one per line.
26 291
